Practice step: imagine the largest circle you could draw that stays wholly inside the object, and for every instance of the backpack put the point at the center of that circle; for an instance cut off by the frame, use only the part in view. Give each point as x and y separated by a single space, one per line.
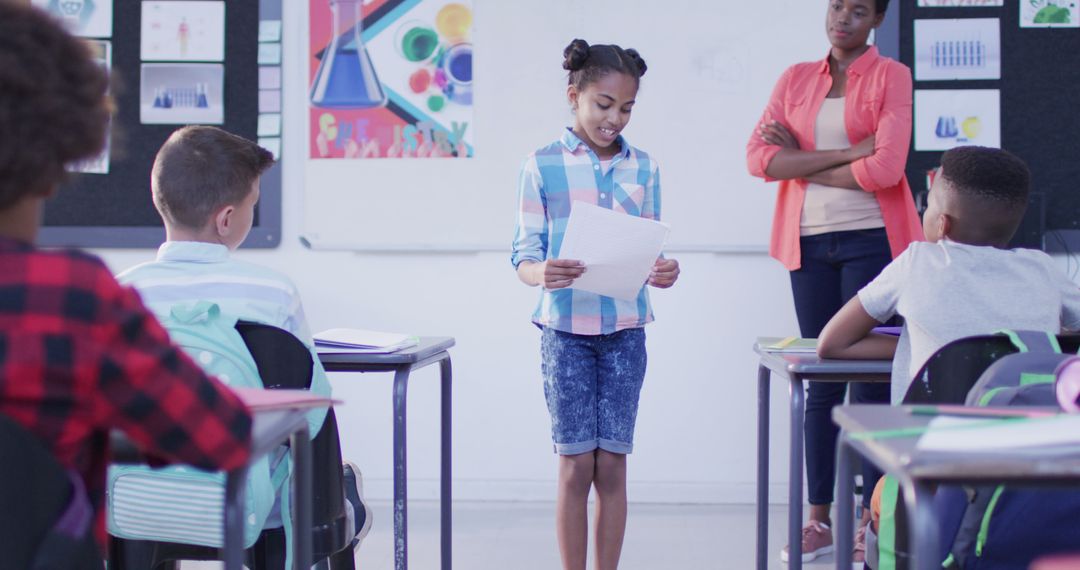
995 527
183 504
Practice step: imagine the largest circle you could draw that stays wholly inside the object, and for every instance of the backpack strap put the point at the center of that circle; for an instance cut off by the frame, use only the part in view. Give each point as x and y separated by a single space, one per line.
1032 341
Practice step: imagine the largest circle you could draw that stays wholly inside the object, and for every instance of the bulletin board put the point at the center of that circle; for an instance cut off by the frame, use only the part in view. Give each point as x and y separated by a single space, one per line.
1039 77
114 208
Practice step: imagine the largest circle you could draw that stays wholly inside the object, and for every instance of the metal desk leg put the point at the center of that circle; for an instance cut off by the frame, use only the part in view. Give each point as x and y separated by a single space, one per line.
846 460
795 474
921 526
401 515
300 443
763 376
235 482
444 494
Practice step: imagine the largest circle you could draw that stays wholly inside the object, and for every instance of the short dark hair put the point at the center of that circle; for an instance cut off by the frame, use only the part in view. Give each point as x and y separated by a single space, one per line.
995 181
588 63
201 169
882 6
54 103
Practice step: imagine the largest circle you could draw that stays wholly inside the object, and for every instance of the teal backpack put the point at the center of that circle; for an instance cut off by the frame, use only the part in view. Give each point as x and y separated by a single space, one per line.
183 504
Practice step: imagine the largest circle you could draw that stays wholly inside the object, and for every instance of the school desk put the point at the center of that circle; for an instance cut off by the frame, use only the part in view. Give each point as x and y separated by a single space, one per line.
918 471
429 350
796 368
269 429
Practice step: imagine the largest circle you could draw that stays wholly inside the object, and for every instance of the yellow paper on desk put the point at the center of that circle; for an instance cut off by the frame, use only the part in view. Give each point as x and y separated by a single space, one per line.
788 344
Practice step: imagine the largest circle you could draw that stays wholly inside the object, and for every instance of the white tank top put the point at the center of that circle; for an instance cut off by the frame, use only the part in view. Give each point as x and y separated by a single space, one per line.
827 208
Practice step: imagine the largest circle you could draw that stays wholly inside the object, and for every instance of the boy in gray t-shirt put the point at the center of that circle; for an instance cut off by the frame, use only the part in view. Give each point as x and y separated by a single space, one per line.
962 281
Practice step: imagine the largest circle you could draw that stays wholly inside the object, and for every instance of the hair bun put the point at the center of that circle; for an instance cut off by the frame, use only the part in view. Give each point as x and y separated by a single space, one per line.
575 54
638 62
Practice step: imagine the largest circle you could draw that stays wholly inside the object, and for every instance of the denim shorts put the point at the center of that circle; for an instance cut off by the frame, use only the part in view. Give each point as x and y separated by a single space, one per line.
592 384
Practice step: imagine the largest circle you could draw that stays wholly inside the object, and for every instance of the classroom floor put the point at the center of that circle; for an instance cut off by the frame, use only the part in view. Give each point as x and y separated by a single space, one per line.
521 536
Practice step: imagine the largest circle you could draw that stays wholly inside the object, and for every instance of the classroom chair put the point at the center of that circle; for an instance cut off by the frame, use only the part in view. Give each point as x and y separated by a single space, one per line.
45 515
946 378
949 374
284 363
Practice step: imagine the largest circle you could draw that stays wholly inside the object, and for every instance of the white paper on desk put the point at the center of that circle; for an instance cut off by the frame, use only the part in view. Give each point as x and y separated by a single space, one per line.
618 250
990 435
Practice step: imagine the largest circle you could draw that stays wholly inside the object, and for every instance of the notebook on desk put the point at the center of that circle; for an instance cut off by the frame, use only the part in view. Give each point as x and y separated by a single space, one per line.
363 341
788 344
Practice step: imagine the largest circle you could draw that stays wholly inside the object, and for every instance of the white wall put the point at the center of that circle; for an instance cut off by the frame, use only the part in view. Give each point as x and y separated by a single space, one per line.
696 430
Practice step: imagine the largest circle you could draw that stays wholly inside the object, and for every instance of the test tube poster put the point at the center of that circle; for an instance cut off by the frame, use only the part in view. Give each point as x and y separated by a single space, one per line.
968 48
391 78
181 94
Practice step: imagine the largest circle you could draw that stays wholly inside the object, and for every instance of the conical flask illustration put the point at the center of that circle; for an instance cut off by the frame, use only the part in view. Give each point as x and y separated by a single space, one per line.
346 79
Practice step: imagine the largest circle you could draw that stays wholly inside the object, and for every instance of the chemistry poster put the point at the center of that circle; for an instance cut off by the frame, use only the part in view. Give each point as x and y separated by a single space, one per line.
391 79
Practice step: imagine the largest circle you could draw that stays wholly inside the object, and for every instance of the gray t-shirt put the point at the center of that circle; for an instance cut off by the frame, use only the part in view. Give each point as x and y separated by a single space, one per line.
948 290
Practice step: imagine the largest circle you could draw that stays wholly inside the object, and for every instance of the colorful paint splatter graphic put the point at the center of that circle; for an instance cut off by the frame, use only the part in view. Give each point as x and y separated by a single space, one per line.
391 79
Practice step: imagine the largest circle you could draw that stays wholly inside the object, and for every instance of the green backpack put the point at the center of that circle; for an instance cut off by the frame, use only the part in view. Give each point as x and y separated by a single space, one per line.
183 504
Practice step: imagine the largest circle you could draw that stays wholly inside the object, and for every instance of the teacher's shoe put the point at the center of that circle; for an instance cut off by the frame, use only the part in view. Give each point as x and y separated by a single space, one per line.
816 541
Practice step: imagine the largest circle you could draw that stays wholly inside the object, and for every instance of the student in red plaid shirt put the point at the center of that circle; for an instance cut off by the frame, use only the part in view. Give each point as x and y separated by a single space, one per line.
79 354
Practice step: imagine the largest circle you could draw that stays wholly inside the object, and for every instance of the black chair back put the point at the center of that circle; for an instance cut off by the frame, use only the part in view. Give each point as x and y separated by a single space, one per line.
36 492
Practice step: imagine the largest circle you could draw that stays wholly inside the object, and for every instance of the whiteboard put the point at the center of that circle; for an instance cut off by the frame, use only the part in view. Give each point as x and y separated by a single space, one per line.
712 66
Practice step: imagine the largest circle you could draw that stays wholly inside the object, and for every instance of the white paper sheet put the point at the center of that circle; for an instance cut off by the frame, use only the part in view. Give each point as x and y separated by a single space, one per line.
618 250
988 435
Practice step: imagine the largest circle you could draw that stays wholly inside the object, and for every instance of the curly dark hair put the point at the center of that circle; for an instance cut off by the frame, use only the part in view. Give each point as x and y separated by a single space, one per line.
201 169
54 103
989 174
588 63
992 187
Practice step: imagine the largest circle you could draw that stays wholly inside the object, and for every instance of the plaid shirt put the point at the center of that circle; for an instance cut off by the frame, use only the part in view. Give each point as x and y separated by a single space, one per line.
552 178
80 356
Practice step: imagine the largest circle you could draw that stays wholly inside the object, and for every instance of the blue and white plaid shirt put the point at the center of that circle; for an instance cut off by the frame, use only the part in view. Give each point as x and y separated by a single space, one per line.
552 178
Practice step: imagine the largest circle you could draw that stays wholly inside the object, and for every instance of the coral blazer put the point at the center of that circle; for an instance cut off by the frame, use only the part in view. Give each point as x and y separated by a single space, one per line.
878 102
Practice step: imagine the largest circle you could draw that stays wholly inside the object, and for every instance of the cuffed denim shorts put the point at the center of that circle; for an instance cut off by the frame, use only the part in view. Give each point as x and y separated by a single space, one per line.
592 384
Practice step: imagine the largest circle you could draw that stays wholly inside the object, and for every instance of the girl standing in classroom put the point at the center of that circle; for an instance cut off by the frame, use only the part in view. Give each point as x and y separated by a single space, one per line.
836 134
592 346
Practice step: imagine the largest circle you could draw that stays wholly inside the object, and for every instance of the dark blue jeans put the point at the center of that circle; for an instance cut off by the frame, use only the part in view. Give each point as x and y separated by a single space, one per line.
834 267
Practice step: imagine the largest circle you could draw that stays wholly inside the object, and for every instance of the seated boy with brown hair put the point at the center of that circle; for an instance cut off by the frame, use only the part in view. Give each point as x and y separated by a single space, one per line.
205 186
964 280
79 354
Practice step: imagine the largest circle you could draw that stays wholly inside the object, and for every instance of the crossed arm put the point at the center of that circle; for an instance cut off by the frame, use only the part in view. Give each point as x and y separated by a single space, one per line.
827 167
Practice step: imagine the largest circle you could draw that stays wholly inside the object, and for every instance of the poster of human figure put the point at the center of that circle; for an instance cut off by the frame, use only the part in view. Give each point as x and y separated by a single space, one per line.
391 79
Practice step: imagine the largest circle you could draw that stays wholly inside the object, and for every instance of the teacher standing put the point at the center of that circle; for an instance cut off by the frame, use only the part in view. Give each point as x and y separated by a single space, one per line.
836 134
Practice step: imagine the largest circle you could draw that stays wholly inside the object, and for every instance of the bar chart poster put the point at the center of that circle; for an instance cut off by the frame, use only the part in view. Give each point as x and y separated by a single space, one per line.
391 78
967 48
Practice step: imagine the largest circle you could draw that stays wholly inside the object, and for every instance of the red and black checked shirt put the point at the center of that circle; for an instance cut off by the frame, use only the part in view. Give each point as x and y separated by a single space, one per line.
80 356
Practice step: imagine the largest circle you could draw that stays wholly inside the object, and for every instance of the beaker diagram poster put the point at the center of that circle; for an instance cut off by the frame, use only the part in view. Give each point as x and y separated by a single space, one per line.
957 117
86 18
1049 14
391 79
967 48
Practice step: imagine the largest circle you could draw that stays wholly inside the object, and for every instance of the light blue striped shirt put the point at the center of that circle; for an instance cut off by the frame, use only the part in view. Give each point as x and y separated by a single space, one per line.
187 271
554 177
